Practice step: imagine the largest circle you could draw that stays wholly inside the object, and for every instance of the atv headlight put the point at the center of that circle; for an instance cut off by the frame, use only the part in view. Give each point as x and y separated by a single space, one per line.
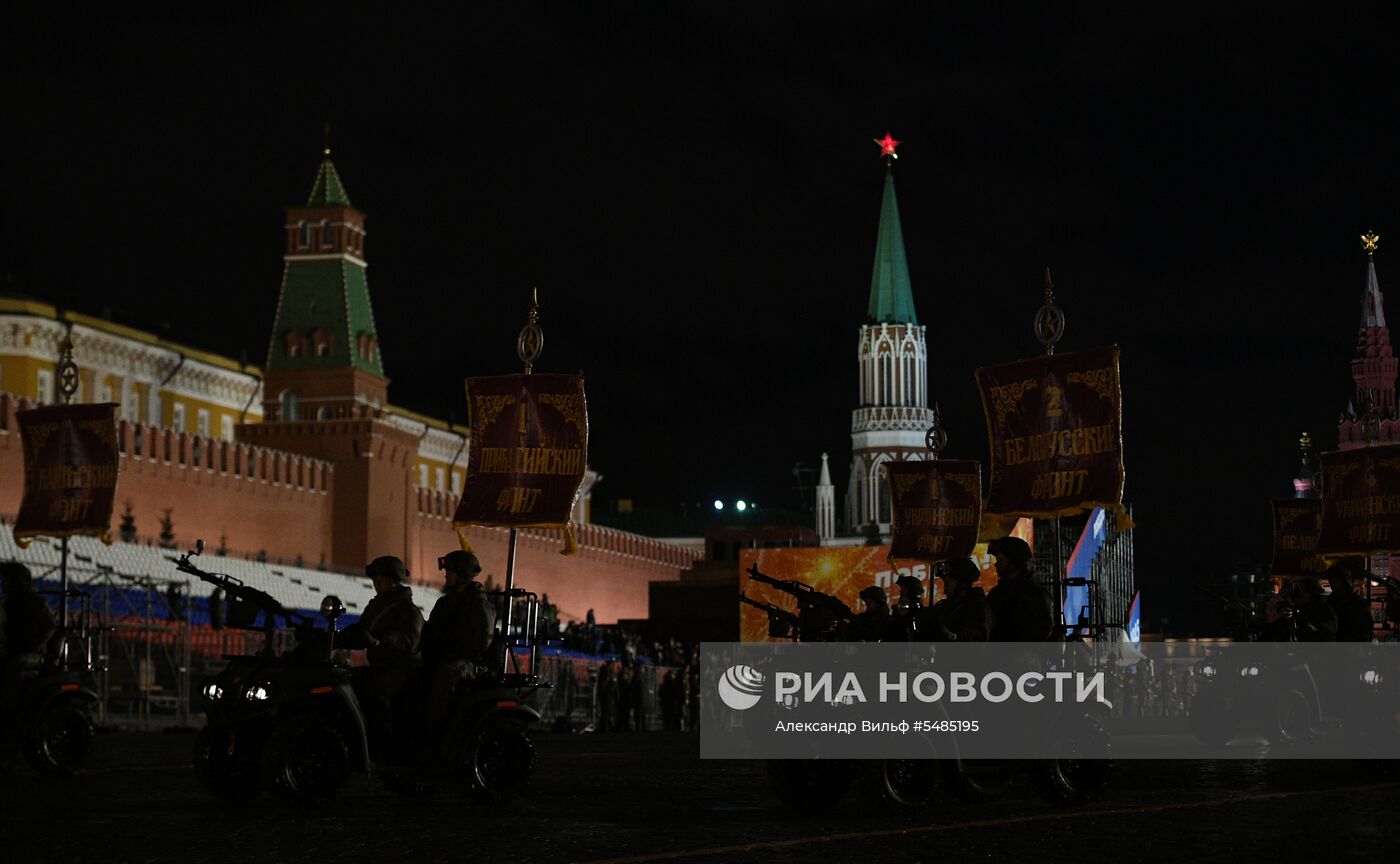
213 692
1207 671
1249 671
257 693
1372 677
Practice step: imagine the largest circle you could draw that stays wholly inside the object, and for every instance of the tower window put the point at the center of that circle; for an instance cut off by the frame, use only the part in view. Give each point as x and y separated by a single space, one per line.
327 235
288 402
294 342
883 493
321 342
303 234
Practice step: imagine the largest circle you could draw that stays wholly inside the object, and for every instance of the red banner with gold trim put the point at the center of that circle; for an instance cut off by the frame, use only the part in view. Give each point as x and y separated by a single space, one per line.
1295 537
1056 429
937 508
528 452
1360 501
70 470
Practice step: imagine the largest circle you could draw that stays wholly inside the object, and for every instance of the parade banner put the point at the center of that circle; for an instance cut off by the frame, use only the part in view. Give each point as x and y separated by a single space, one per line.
1360 501
529 450
1056 430
70 471
1295 537
843 572
937 508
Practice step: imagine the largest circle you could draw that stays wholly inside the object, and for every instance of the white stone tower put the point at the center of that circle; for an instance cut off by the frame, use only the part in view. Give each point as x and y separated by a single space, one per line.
893 413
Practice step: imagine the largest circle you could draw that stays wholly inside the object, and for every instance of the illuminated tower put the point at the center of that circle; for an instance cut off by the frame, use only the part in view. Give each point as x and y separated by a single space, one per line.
893 412
323 359
1371 419
826 504
1305 481
324 389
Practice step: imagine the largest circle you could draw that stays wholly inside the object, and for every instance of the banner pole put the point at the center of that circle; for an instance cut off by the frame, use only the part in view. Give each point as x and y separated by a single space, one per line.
68 386
63 603
528 346
1049 328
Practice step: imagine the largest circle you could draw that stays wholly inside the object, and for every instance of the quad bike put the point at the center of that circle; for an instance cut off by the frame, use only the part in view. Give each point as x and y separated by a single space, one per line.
292 723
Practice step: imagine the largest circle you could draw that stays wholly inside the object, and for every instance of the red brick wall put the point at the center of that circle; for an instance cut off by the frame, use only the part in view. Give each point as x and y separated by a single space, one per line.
283 508
609 574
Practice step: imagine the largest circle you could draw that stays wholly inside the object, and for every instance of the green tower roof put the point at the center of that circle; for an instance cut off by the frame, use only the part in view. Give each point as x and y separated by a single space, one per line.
325 292
324 295
326 189
891 297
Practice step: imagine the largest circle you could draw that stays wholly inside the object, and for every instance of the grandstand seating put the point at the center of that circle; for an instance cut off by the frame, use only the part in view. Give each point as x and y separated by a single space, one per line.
93 563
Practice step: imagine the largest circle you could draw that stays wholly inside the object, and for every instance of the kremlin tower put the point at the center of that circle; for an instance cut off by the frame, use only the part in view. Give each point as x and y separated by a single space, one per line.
893 411
1373 369
324 388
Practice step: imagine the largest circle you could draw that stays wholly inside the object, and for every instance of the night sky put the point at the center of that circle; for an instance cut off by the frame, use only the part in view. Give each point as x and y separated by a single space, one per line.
694 190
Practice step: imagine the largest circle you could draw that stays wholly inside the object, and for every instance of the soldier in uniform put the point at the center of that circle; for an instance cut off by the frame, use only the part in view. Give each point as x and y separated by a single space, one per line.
457 634
1315 619
1352 611
910 617
1021 610
963 614
28 626
388 630
873 622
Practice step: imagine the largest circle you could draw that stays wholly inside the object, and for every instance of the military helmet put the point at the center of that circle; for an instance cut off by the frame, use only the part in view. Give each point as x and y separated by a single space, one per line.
874 595
910 586
1343 571
15 576
1011 547
389 567
460 562
963 570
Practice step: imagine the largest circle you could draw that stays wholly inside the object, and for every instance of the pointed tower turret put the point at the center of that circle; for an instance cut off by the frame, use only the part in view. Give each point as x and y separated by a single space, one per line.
893 412
826 504
891 297
1305 481
323 359
324 388
1374 368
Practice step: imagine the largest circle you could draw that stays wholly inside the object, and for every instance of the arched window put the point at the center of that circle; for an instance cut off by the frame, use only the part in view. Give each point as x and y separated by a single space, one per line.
288 400
321 342
327 234
882 494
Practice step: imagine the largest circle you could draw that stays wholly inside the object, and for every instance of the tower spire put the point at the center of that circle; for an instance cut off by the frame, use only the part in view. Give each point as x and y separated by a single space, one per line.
326 188
826 504
891 297
1374 367
1372 305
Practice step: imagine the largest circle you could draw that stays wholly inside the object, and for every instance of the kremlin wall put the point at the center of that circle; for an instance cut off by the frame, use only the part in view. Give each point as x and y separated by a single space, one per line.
303 460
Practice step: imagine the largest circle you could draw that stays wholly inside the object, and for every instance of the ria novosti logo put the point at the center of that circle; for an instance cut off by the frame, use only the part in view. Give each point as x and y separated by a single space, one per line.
740 687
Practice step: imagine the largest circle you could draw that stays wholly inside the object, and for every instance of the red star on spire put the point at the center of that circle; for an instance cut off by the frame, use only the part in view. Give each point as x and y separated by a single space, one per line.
887 145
